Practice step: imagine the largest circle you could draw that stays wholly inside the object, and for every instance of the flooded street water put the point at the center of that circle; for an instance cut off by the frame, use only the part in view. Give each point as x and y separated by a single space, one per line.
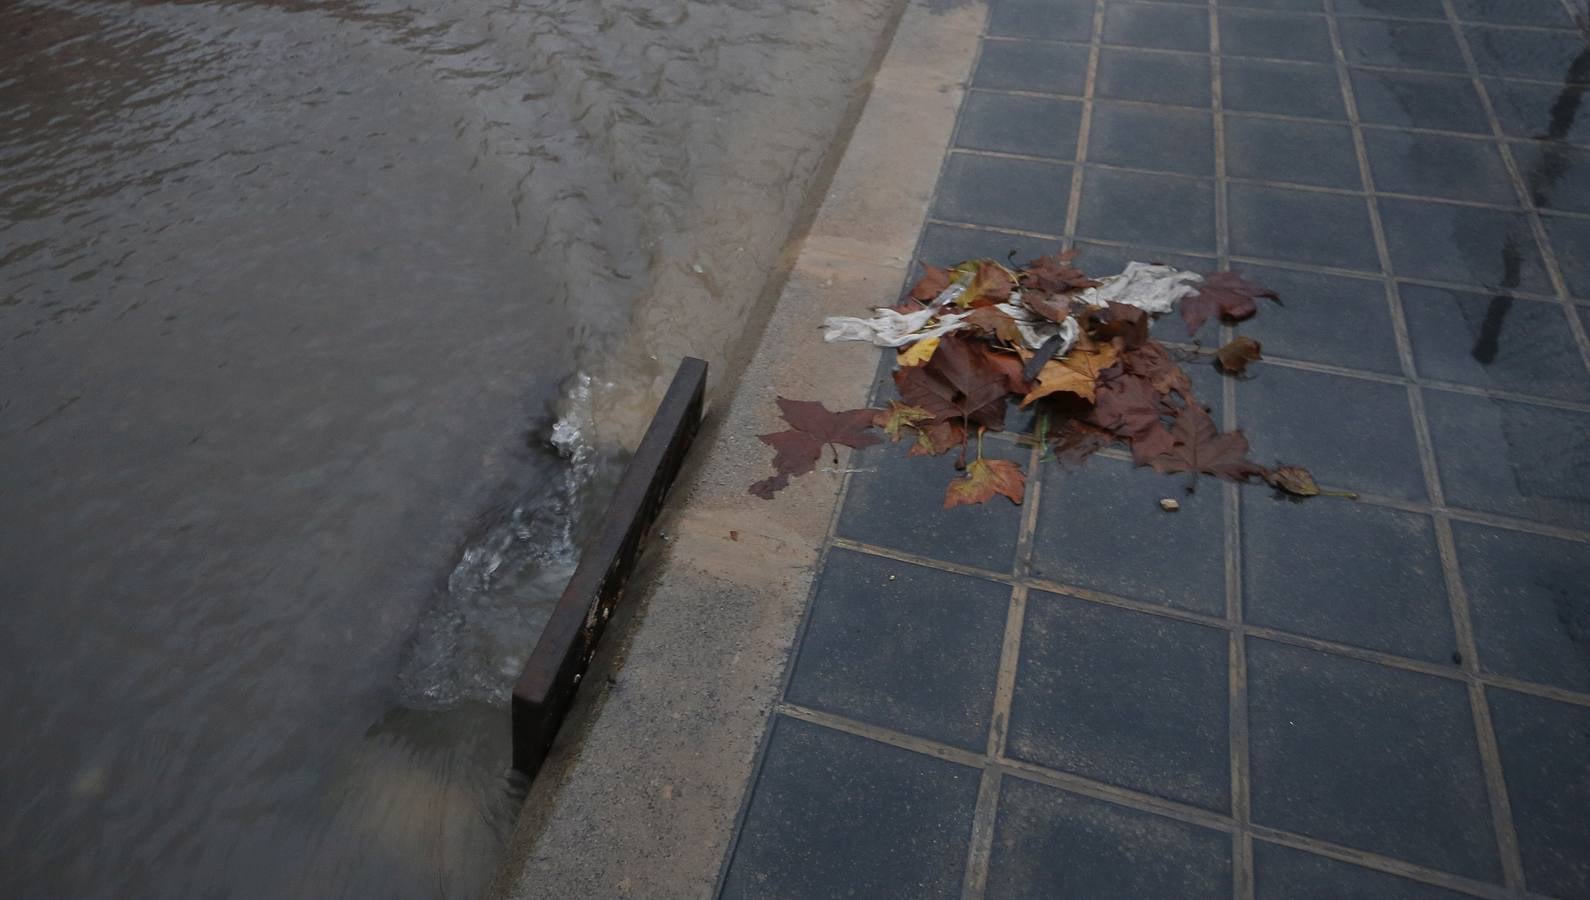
322 326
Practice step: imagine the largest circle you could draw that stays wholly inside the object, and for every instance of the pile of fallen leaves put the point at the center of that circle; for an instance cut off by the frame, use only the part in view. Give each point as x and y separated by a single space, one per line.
1114 385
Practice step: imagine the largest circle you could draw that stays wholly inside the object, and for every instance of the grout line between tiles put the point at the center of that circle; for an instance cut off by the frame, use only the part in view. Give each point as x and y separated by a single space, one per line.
1136 800
1236 650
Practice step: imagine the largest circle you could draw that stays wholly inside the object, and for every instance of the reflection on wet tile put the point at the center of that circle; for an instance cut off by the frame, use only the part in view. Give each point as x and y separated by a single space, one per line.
1529 599
1145 137
1557 56
1349 432
1009 123
1494 341
1369 756
1570 241
1409 45
1556 176
1301 226
1544 745
1435 165
1160 27
1307 325
1313 153
1407 9
1515 459
1275 35
945 245
1326 569
1469 245
1032 66
1050 843
1295 89
1010 193
1156 210
1153 77
1419 100
1530 110
1059 20
1548 13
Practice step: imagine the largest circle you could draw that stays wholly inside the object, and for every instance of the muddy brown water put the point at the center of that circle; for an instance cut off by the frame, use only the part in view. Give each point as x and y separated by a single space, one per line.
322 327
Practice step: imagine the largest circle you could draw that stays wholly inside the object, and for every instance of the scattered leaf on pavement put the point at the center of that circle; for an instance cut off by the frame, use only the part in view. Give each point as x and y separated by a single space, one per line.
1224 294
1237 353
983 479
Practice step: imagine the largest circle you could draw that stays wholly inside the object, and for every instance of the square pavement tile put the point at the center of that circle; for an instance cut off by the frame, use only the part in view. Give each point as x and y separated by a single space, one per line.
1404 9
1126 698
1368 756
1009 193
908 648
1157 27
1544 13
1032 66
1494 341
1517 53
1527 109
1350 433
946 245
1048 843
1419 100
1159 138
897 501
1154 210
1313 153
1346 572
1398 44
1557 176
1570 241
1294 89
1282 873
1187 569
1055 20
1529 600
1009 123
1275 35
832 814
1308 323
1490 248
1545 748
1516 459
1436 165
1148 77
1301 226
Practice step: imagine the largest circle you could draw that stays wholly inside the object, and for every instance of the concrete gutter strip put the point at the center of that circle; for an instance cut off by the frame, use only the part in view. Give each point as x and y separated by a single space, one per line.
640 793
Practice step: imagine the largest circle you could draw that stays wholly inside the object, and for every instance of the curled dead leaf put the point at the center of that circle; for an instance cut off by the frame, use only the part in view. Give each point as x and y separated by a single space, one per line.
1234 357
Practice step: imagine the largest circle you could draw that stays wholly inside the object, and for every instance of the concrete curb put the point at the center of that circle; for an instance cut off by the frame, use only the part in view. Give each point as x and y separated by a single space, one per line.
639 794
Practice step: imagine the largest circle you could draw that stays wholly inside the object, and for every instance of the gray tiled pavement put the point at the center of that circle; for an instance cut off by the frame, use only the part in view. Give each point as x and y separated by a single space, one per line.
1086 697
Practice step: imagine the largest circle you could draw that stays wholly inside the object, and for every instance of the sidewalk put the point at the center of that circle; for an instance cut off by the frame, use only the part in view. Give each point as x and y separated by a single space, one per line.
1096 699
1085 696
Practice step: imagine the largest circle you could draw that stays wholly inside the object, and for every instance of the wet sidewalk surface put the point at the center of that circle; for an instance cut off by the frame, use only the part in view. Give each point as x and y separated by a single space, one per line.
1088 697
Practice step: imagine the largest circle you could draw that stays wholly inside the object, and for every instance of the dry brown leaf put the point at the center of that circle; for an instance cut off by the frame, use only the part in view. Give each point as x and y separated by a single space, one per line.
1235 355
1077 372
983 479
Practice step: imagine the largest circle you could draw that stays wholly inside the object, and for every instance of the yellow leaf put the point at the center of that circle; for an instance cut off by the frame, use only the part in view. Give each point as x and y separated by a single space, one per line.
919 352
1077 373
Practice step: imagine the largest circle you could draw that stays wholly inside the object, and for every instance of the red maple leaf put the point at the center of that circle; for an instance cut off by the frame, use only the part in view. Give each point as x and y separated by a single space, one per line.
1198 447
960 381
814 427
1226 294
